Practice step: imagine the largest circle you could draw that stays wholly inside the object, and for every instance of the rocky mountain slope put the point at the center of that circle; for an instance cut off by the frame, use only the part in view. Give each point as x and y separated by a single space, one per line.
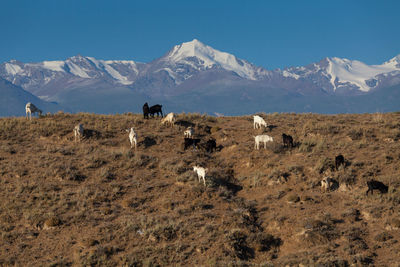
193 70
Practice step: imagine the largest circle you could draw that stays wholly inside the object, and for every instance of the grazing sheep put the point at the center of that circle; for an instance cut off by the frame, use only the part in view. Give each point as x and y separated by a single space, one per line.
169 119
328 184
210 145
287 140
190 142
262 138
258 122
339 160
156 109
132 137
78 132
146 111
373 184
31 108
189 132
201 173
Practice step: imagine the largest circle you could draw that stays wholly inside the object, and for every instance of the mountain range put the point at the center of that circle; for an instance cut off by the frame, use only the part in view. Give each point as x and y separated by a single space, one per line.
194 77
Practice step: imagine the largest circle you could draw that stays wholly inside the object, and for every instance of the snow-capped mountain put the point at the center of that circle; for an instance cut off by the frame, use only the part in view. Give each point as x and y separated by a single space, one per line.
337 74
47 78
195 70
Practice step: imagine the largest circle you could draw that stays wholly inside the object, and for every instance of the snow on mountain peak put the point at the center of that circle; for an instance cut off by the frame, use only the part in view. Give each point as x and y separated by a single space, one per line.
210 57
343 71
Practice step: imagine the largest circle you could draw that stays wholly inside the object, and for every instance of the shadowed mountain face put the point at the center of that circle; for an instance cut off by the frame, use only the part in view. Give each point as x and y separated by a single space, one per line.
13 100
194 77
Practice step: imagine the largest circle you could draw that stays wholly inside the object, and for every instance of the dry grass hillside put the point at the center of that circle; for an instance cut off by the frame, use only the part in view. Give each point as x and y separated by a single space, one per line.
97 202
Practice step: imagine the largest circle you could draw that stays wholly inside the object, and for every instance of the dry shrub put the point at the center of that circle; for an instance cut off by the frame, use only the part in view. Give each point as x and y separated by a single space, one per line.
237 245
323 165
265 242
319 232
355 134
382 237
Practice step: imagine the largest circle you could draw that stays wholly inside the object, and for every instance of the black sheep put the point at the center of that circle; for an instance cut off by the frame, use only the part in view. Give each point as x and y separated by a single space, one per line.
190 142
287 140
373 184
339 160
146 111
156 109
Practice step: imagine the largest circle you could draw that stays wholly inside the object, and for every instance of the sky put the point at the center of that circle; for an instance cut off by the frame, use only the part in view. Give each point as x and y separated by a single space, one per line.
271 34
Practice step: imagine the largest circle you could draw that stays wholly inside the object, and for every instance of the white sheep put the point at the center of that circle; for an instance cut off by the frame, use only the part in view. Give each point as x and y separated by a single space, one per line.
189 132
262 138
78 131
132 137
31 108
169 119
201 173
258 122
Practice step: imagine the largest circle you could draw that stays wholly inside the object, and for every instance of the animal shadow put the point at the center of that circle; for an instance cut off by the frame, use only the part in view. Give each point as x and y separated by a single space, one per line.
148 142
89 133
270 127
185 123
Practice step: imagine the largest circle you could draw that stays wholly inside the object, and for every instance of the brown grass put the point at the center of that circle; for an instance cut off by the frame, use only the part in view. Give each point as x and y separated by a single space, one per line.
98 202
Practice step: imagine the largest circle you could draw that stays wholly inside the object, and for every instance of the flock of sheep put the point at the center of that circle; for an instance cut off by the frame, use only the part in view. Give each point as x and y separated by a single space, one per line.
327 183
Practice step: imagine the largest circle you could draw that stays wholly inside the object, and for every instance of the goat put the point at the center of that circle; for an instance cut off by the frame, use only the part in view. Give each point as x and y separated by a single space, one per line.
189 132
287 140
169 119
156 109
210 145
31 108
328 184
146 111
201 173
190 142
78 131
339 160
262 138
132 137
258 122
373 184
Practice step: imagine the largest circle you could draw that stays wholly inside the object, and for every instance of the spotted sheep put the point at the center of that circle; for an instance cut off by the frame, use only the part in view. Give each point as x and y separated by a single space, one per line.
31 108
132 137
258 122
78 131
328 184
262 139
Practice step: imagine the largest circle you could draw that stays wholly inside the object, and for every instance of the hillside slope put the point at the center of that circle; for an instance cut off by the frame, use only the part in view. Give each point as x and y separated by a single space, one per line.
97 202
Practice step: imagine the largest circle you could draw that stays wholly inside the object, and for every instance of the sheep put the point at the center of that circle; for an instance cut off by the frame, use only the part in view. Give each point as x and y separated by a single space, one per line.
262 138
78 131
156 109
132 137
210 145
31 108
328 184
146 111
258 122
373 184
287 140
201 173
339 160
190 142
169 119
189 132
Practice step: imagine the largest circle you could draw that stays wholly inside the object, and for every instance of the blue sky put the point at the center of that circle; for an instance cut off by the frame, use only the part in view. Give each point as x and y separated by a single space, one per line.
272 34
